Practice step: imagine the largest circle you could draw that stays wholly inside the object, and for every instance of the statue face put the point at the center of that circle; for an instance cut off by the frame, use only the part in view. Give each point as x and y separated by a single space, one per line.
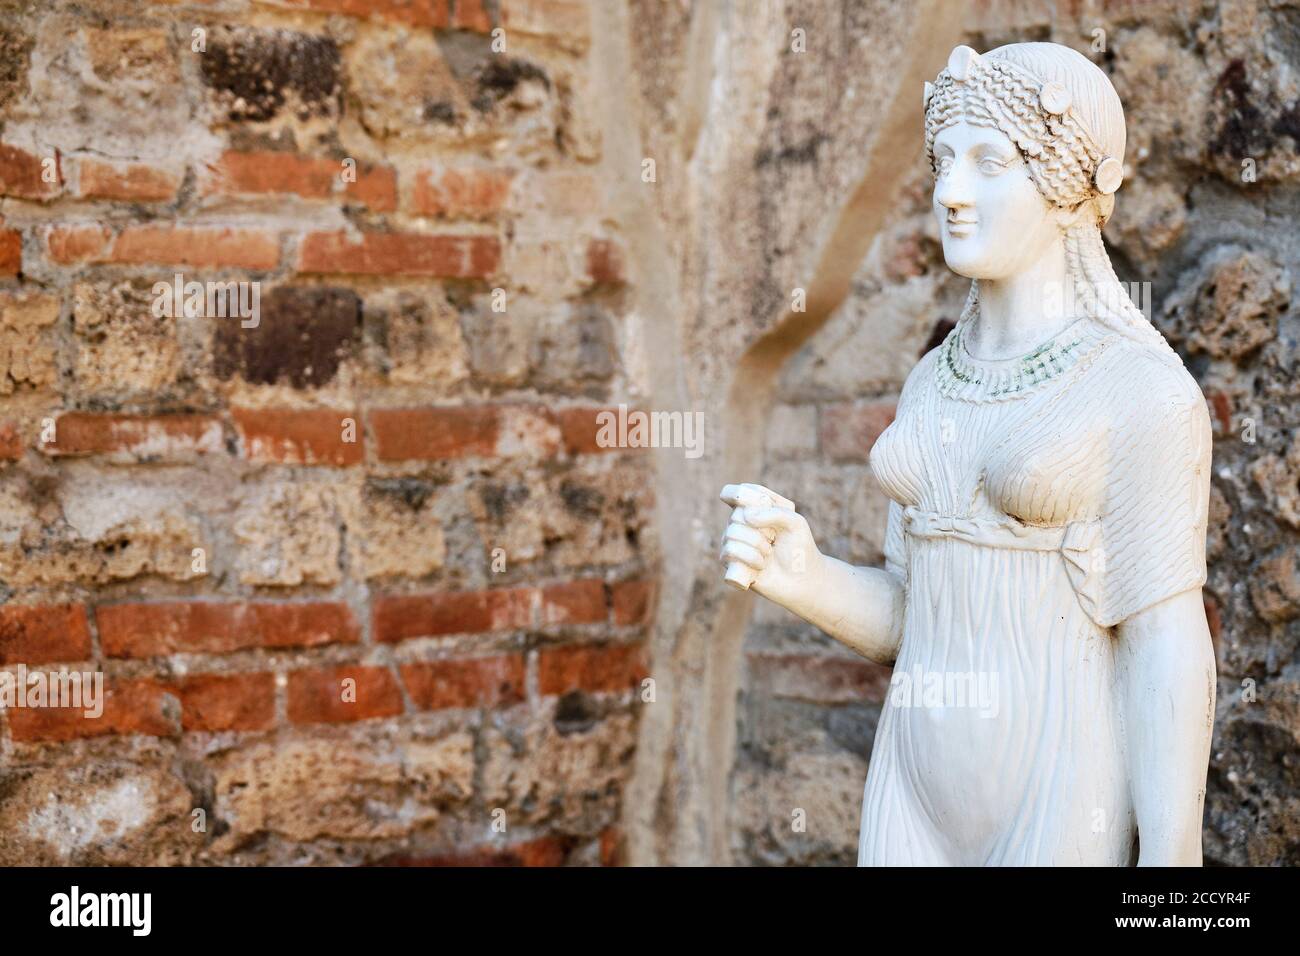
993 220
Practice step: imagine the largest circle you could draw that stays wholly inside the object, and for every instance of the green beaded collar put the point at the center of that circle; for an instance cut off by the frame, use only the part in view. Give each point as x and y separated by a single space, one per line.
960 375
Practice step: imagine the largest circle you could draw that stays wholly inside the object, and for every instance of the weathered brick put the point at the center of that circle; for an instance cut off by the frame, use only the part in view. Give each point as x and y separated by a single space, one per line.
205 627
606 262
145 436
464 193
216 248
397 617
200 246
310 177
478 682
11 252
589 667
142 706
129 182
11 442
544 851
41 633
82 242
21 174
435 434
574 602
579 429
319 436
216 702
317 696
416 13
848 430
633 602
472 15
378 253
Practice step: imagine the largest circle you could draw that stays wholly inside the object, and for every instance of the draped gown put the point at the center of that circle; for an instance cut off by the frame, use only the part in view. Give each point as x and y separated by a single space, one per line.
1036 503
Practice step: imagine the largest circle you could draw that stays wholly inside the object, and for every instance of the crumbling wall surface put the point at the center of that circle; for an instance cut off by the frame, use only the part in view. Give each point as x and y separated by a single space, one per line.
362 583
1205 230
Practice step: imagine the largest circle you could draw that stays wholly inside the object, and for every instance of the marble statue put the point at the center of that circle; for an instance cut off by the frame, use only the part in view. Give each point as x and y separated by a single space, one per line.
1048 476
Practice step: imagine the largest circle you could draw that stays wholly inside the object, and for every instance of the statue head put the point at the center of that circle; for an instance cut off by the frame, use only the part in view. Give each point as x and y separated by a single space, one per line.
1026 143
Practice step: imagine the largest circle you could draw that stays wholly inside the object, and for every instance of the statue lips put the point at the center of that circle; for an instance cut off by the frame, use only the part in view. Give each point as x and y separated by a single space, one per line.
959 228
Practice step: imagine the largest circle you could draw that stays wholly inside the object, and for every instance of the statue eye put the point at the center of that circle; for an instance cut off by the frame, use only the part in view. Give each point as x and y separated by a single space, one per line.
944 165
993 166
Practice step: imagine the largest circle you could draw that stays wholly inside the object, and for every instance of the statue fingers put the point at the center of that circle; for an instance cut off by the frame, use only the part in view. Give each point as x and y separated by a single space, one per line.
767 497
778 519
747 535
745 554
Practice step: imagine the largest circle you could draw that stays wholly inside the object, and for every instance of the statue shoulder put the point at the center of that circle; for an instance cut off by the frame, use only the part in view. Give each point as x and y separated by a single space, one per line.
1151 391
922 372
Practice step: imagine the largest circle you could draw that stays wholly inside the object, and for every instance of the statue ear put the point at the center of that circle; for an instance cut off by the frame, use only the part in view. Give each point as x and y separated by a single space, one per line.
1095 209
1069 217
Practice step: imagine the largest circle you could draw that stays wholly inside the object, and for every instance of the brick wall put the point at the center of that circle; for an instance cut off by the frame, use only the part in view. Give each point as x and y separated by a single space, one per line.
362 585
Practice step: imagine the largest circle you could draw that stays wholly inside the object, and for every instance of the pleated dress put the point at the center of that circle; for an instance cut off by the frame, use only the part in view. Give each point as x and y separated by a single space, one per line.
1036 504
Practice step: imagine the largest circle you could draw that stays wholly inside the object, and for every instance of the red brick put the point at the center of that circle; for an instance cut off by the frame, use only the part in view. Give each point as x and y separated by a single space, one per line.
435 434
11 252
91 433
611 847
544 851
481 682
605 262
472 15
574 602
11 442
416 13
820 678
77 243
397 617
130 707
633 602
316 696
306 176
589 667
848 430
388 253
20 175
203 627
299 436
205 247
41 633
1221 406
461 193
129 182
579 428
215 702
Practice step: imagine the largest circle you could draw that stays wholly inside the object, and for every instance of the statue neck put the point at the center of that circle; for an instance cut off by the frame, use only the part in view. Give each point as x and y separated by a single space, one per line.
1020 312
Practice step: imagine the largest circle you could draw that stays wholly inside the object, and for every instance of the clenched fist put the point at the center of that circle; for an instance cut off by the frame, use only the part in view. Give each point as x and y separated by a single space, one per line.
768 544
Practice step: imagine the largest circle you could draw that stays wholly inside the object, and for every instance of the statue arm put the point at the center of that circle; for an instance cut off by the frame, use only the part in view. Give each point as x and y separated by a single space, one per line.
1167 685
862 608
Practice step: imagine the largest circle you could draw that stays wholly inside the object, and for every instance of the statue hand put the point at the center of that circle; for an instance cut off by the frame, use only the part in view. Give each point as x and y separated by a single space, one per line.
771 544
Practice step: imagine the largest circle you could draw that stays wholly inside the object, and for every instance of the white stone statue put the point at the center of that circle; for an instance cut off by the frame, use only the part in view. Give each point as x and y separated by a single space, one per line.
1048 472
